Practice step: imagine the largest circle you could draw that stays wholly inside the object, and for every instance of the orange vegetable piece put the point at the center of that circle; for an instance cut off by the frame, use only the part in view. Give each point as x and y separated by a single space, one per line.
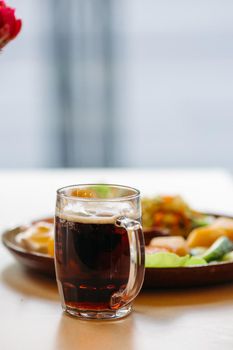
206 236
51 246
85 193
158 217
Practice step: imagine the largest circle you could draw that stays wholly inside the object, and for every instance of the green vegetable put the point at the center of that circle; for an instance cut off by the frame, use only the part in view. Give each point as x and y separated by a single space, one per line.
201 221
228 257
198 251
218 249
163 259
195 260
101 190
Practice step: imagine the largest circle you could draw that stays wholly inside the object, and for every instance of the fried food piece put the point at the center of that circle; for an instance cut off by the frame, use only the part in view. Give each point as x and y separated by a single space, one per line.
206 236
173 244
152 250
38 237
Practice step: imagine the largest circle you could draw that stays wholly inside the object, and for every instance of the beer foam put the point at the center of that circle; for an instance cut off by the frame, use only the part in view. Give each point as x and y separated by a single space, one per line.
97 213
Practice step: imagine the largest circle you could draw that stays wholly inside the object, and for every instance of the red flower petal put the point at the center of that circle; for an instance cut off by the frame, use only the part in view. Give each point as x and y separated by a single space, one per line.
9 25
2 4
18 26
8 17
1 18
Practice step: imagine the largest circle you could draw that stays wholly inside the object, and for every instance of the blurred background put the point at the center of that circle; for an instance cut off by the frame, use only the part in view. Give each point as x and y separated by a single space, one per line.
118 83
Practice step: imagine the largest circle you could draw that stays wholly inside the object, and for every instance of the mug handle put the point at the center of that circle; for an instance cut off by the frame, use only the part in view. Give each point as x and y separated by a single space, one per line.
137 262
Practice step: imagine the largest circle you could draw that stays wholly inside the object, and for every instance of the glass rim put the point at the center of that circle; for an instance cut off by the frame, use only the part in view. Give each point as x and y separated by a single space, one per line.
135 195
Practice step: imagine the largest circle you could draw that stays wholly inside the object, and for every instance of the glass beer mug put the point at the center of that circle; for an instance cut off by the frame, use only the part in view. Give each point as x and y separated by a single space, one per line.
99 250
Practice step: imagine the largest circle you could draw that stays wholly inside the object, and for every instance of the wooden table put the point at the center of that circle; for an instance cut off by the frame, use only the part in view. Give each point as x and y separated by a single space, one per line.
30 313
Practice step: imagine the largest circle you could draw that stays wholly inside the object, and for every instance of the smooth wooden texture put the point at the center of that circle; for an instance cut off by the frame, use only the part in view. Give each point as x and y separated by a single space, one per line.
30 313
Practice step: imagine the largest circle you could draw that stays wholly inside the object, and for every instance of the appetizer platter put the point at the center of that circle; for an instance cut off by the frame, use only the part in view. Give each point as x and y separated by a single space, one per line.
184 248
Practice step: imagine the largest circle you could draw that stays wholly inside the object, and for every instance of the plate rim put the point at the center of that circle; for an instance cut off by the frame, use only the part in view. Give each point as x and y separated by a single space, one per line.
14 246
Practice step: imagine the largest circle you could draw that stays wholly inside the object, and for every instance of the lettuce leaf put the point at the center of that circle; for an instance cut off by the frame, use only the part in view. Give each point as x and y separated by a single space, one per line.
195 260
163 259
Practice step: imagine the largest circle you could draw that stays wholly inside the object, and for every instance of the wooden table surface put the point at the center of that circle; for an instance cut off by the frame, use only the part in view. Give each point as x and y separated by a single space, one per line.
30 313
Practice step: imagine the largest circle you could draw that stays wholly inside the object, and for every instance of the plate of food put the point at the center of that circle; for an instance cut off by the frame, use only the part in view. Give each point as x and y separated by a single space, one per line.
184 248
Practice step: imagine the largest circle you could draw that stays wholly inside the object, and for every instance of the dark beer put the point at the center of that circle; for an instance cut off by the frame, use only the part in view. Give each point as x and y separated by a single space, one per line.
92 262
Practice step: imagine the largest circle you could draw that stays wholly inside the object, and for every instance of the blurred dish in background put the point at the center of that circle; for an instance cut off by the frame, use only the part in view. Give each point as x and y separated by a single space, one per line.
184 248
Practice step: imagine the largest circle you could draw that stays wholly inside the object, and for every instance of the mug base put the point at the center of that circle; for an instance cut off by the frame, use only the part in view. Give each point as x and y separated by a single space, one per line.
98 315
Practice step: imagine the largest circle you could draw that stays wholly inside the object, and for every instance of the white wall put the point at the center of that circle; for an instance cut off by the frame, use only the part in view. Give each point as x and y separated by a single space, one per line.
175 83
27 137
173 90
